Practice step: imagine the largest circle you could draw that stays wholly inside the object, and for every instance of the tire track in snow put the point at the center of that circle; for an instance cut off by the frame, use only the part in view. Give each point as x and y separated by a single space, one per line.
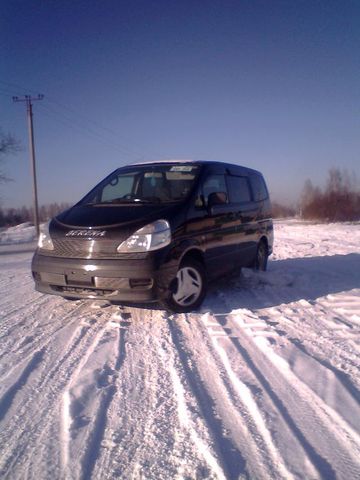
37 343
186 423
16 433
8 325
244 393
341 376
339 428
327 325
108 390
309 406
231 459
21 422
8 315
345 308
42 348
65 434
145 438
125 432
93 448
234 400
7 399
315 327
321 465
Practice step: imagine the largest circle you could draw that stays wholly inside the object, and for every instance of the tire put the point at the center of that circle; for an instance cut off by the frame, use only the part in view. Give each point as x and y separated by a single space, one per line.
261 257
188 289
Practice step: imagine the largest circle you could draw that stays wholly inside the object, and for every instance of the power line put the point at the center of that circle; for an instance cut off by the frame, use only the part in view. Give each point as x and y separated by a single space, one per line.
90 121
69 123
107 130
128 150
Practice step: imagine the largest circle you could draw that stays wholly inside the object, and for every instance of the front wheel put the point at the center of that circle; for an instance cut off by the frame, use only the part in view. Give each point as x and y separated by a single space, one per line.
261 257
188 288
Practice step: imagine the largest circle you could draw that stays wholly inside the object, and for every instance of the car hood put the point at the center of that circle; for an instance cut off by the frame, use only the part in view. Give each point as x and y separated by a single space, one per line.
118 216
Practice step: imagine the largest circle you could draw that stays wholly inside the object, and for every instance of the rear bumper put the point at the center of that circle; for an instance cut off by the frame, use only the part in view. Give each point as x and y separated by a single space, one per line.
134 281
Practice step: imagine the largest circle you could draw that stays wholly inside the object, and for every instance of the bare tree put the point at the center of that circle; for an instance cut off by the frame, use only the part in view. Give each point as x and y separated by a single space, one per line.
8 145
338 201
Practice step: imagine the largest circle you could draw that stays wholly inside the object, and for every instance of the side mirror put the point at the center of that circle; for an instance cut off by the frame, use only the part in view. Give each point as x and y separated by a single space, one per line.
216 198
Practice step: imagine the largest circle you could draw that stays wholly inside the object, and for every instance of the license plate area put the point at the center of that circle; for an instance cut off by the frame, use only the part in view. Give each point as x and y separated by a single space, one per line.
75 277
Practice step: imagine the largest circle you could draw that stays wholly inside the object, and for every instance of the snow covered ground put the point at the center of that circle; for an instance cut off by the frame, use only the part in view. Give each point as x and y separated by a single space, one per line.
262 383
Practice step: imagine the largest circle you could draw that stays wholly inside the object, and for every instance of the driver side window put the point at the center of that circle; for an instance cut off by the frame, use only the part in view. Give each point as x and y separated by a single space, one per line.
213 183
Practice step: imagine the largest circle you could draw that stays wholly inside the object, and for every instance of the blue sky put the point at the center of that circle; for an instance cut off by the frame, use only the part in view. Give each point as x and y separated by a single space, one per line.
273 85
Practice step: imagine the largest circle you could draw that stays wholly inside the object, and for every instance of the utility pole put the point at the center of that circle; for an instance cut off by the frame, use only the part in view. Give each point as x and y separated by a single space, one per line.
28 99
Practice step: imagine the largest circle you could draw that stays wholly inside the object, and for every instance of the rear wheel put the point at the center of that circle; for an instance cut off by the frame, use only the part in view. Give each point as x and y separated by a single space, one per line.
261 256
188 288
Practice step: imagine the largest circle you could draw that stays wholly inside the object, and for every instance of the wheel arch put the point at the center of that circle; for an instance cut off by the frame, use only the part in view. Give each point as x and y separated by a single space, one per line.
264 239
194 253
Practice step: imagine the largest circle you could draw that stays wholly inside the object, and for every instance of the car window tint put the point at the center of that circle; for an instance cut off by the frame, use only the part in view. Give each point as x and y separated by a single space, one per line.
213 183
118 187
258 187
157 183
239 189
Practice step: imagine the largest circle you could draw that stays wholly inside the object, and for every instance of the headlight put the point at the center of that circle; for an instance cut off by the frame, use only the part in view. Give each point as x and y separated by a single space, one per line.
45 241
151 237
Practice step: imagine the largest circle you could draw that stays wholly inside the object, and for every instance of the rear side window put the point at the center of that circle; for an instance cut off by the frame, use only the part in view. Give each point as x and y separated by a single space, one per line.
239 189
258 187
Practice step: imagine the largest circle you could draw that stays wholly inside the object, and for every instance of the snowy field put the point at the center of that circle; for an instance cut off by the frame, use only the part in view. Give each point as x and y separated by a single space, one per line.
262 383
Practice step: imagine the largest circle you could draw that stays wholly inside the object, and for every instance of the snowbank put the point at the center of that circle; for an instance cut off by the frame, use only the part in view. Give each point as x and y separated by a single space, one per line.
23 233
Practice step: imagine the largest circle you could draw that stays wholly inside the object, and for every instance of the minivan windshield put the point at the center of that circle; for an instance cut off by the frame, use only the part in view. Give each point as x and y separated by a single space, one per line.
145 184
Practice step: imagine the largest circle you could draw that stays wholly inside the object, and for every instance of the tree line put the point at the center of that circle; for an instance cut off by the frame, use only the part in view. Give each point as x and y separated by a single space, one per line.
338 201
14 216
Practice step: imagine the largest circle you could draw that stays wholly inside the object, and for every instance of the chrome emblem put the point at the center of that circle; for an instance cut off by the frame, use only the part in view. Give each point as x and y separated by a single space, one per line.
86 233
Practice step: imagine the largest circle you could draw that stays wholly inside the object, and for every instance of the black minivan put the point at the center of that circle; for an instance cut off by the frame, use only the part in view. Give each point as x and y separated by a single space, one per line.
157 231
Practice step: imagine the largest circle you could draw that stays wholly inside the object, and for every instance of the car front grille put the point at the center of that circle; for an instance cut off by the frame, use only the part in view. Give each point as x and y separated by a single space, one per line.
90 249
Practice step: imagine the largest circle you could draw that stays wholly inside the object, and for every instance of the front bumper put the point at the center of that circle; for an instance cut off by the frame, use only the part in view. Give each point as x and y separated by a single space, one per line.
118 280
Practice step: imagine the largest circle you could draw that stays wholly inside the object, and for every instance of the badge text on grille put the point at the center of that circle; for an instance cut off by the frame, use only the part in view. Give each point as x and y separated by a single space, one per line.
86 233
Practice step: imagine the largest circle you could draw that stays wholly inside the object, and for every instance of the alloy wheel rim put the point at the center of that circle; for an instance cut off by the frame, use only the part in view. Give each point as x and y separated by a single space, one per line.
189 286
